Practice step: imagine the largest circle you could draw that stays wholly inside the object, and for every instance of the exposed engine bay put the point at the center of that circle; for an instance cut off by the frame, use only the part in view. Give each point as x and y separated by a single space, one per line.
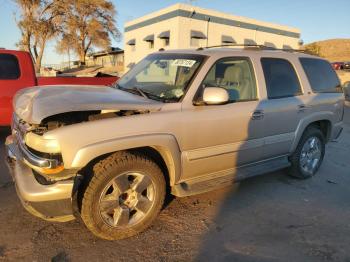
70 118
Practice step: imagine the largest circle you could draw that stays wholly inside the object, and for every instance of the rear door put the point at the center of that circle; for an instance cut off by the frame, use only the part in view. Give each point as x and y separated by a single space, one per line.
12 79
284 106
327 93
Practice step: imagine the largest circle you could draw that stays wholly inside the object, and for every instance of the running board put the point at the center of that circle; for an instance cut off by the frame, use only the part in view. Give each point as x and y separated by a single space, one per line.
228 177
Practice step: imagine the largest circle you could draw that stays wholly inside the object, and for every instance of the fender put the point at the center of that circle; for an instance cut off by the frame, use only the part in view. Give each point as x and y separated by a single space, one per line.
165 144
306 121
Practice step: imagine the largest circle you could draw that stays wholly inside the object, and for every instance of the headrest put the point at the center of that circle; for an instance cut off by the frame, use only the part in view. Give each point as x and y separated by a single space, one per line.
233 74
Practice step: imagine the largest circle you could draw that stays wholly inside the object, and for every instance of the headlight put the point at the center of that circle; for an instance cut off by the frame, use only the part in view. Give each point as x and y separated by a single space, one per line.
42 145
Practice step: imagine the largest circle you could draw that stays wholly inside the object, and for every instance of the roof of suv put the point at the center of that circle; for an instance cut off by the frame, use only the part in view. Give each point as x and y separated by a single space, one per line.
229 51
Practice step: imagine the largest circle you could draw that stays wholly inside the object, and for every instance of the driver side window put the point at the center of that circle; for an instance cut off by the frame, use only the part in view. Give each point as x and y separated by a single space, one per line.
236 76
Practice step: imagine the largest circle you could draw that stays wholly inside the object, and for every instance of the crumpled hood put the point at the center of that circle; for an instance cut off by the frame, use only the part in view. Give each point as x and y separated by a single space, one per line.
37 103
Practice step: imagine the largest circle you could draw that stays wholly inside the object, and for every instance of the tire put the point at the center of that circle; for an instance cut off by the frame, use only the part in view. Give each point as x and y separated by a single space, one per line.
300 161
115 204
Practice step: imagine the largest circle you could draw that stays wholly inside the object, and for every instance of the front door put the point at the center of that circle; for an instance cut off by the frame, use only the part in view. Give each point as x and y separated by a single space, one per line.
223 137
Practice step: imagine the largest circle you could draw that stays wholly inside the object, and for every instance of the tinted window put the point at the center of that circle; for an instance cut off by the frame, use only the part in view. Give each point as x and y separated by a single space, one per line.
9 68
236 76
321 75
281 79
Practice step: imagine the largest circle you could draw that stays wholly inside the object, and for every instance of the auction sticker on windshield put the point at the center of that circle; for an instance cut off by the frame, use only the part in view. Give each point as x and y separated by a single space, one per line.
184 62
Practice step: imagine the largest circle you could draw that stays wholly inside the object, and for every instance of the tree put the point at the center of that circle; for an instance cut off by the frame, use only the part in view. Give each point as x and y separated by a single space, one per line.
65 46
87 23
39 22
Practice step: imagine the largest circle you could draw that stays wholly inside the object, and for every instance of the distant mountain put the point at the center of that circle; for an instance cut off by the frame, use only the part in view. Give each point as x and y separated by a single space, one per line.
333 49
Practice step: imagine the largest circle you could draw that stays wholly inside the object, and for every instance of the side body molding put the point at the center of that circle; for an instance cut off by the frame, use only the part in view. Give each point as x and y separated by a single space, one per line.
314 117
165 144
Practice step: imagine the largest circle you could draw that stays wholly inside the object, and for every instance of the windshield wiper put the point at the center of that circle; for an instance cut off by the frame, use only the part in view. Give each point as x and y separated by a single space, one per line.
145 94
140 91
133 90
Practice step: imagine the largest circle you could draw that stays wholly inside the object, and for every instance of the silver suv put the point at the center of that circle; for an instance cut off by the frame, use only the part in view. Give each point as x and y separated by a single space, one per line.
182 122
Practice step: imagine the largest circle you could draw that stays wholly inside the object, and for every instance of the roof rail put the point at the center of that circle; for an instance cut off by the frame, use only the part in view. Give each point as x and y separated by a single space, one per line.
260 47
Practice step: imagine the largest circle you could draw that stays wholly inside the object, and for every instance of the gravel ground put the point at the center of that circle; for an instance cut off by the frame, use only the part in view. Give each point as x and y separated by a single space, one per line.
267 218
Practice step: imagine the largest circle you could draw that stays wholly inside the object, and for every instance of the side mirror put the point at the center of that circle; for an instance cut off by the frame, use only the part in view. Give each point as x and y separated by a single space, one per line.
215 96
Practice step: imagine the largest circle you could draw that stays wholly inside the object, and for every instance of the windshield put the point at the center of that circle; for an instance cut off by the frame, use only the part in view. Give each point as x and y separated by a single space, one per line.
163 77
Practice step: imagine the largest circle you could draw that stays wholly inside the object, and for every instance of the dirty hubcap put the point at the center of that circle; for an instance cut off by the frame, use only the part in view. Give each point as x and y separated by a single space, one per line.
311 155
126 199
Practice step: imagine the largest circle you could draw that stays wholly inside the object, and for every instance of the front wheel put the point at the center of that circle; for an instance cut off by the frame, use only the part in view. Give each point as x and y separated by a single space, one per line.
123 197
309 154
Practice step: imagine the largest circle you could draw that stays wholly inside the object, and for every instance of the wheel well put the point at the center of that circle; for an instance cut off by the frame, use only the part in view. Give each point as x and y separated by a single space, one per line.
156 157
324 126
150 152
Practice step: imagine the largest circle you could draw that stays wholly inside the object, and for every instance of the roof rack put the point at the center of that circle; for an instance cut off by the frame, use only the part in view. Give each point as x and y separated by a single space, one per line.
256 46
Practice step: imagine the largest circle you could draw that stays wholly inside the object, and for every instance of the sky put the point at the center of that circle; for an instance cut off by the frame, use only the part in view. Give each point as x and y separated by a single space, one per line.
317 19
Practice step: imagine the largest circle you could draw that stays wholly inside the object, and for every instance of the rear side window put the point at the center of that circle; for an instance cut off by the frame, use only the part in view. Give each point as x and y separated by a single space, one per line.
321 75
281 78
9 68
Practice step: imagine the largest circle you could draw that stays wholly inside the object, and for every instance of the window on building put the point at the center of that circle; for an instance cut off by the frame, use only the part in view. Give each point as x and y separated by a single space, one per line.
236 76
280 77
248 41
322 77
9 67
150 41
227 40
165 37
270 45
196 38
132 44
166 42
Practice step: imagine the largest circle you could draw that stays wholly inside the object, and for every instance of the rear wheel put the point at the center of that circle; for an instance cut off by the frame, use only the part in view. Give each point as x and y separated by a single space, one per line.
308 156
123 197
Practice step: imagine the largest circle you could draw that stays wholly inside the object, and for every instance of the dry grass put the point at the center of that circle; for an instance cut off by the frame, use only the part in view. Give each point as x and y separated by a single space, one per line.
334 49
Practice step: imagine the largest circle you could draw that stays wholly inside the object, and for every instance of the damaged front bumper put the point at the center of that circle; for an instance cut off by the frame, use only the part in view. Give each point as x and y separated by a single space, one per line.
50 201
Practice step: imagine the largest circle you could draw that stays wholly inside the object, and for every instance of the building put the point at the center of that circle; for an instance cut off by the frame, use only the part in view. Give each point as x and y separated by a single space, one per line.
185 26
113 57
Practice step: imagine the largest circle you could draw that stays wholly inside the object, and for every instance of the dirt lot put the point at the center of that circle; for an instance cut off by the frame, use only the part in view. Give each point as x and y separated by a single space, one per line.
344 75
267 218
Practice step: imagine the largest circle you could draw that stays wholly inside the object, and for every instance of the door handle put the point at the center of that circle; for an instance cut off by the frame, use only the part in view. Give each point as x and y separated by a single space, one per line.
257 115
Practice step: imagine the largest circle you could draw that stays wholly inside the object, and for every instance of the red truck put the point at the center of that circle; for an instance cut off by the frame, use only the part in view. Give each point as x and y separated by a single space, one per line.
17 72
